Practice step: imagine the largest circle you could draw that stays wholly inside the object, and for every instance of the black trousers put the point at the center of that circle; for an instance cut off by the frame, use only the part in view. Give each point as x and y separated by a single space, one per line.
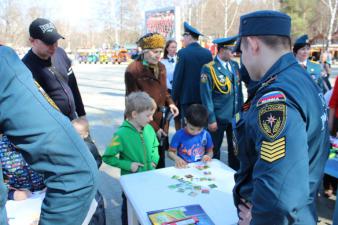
124 210
217 139
99 217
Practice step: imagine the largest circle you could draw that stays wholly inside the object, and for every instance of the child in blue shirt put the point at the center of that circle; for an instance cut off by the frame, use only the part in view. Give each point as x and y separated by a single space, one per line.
192 143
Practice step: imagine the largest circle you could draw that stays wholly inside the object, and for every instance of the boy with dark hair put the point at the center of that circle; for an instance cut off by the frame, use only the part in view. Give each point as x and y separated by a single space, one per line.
192 143
135 141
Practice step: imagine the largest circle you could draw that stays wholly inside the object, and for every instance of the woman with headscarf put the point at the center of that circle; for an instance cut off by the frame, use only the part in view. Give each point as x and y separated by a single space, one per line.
148 74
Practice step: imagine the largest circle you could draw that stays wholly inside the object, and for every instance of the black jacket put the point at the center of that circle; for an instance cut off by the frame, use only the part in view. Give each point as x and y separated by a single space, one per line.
53 82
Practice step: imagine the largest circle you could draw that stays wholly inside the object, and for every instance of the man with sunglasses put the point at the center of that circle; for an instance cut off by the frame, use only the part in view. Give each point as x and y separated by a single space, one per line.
190 59
220 87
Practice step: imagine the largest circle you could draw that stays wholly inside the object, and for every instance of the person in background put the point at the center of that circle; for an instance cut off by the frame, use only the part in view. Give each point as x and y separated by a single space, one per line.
220 88
55 79
190 59
301 49
169 61
148 74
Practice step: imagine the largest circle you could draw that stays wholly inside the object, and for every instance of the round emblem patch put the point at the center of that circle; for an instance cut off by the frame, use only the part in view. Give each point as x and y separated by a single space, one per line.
204 78
271 119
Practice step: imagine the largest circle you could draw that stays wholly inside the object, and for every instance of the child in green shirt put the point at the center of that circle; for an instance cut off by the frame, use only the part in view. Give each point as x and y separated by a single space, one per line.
134 146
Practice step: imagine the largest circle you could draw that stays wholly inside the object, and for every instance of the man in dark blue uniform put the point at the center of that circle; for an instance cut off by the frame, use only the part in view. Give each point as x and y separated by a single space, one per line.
281 130
221 95
301 49
187 73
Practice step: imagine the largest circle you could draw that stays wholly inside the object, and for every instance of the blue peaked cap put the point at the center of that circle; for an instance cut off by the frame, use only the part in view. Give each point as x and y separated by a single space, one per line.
300 43
224 42
264 23
191 30
302 40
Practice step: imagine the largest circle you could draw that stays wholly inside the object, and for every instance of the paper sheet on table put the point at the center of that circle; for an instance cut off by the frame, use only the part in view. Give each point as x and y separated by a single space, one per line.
26 212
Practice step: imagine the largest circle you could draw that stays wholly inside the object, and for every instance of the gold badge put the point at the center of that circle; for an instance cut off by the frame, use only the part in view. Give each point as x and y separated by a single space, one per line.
271 119
272 151
204 78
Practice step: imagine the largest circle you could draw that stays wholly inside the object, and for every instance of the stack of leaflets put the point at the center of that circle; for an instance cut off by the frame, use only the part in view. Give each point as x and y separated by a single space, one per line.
183 215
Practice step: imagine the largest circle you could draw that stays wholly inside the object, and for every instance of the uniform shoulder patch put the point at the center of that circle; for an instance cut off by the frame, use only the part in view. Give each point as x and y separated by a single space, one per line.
204 78
272 119
273 151
114 141
270 97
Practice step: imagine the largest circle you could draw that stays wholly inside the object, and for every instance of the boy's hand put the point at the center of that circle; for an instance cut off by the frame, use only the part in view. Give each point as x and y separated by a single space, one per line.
135 166
20 195
180 163
206 158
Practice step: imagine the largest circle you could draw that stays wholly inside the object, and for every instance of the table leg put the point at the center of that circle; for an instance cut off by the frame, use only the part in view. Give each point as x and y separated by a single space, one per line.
132 219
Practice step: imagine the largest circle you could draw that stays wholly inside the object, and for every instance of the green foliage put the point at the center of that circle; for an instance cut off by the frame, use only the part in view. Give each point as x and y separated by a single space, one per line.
302 13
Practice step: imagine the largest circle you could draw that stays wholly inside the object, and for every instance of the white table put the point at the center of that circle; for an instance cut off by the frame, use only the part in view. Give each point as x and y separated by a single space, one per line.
148 191
25 212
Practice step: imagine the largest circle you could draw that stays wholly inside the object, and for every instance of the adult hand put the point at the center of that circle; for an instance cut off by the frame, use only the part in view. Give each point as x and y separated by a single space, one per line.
212 126
161 133
135 166
20 195
244 214
174 110
81 126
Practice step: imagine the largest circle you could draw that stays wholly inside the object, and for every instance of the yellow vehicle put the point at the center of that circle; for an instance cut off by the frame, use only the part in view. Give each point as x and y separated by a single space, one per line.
103 58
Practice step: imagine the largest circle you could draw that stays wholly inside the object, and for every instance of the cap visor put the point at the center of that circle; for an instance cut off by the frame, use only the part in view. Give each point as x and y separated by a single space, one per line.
237 47
52 38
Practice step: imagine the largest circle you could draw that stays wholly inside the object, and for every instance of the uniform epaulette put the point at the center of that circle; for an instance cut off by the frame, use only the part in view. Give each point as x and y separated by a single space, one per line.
314 62
210 63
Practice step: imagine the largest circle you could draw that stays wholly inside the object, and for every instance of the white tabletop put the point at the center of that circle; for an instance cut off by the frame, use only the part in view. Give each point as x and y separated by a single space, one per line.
148 191
26 212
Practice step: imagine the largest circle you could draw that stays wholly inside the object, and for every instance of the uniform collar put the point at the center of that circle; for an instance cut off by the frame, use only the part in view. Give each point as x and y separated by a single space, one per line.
302 63
193 44
224 63
281 64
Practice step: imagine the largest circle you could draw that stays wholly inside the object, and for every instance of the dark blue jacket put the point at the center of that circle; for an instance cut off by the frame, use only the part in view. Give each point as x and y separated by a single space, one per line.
282 143
186 81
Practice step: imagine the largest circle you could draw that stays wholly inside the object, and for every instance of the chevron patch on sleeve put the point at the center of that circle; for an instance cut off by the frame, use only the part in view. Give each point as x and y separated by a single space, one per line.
273 151
114 142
